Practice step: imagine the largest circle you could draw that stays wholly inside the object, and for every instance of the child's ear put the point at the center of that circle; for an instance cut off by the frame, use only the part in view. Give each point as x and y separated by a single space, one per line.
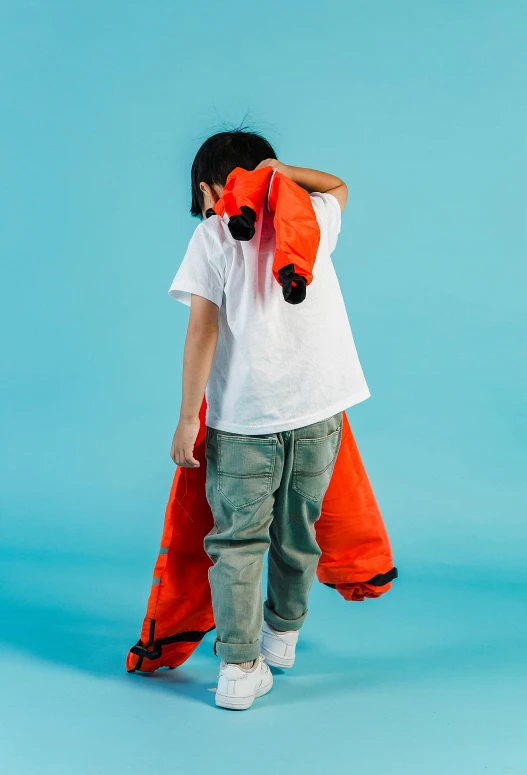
207 198
210 194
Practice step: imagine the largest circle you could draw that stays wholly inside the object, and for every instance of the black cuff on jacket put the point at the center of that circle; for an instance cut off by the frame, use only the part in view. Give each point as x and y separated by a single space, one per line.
242 226
293 294
377 581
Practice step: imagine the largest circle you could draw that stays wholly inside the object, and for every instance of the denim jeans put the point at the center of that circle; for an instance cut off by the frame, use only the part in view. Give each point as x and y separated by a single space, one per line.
265 492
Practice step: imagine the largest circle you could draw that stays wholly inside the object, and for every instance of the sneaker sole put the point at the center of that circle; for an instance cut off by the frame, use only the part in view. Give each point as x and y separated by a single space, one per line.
275 660
241 703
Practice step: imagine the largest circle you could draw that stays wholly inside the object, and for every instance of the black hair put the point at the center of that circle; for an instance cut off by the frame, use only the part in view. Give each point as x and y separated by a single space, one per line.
220 154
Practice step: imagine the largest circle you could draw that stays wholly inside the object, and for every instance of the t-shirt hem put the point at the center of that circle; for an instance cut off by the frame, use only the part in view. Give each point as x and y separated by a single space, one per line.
298 422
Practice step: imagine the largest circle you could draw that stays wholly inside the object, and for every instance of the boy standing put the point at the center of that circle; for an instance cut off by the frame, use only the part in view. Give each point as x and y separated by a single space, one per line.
277 378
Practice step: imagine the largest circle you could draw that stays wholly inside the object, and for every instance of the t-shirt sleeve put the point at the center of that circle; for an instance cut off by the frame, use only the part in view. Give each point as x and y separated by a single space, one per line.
327 210
202 270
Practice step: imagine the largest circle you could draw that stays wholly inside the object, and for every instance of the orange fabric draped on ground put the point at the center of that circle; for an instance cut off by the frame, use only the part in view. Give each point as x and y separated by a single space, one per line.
356 555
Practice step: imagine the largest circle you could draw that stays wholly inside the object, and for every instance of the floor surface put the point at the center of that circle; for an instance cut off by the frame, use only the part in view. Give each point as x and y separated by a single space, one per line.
431 678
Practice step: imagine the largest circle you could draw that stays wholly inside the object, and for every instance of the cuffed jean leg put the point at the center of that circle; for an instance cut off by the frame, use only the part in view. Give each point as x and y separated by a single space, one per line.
309 459
243 473
236 585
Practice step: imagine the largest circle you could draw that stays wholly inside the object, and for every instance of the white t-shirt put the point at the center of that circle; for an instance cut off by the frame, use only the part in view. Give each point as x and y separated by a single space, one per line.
277 366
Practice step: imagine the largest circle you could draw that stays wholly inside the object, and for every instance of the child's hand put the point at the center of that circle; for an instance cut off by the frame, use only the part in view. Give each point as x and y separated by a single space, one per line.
183 444
278 165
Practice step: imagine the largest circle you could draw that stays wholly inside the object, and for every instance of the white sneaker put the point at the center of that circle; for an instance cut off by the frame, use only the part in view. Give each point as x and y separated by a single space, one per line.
237 688
277 647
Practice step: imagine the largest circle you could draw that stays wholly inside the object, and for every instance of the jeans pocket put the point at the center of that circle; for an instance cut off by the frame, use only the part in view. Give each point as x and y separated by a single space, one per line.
313 464
245 468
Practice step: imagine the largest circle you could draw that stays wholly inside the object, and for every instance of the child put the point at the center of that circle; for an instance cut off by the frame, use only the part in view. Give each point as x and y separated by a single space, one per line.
277 377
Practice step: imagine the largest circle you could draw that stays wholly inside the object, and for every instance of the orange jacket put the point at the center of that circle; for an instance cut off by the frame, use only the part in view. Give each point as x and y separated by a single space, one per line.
356 556
295 223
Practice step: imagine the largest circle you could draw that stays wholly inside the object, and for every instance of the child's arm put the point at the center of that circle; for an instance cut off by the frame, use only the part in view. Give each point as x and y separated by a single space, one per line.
200 345
312 180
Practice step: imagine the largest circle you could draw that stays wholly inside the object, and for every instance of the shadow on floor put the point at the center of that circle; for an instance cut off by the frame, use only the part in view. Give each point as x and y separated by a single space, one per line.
74 613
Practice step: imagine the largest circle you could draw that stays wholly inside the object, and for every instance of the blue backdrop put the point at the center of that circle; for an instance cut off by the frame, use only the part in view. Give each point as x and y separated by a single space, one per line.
420 108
